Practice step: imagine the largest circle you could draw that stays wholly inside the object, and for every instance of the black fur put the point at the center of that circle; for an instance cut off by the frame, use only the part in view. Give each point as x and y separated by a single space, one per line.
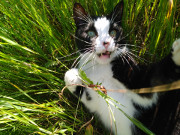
159 118
79 91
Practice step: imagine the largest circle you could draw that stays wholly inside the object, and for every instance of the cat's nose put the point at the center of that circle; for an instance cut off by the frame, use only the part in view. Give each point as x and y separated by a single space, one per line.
106 44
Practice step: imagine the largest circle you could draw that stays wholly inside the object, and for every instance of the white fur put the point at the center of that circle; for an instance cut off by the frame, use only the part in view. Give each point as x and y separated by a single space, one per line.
102 26
176 52
143 101
72 79
99 71
102 73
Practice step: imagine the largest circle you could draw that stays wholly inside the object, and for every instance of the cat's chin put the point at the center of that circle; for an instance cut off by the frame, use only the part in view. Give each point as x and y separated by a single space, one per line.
104 58
105 55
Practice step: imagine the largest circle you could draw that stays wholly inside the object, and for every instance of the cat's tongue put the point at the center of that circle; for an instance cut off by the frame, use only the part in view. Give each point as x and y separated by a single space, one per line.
105 55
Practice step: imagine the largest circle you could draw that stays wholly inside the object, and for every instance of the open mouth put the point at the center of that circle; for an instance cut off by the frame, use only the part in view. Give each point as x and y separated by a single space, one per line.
105 55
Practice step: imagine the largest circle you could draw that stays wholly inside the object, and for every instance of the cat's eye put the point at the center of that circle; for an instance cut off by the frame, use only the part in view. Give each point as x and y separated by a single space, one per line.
91 34
113 33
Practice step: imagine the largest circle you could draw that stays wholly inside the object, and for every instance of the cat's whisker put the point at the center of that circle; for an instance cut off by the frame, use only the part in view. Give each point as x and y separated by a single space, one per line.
141 59
119 54
93 62
114 15
81 14
127 61
87 60
123 53
131 45
131 58
90 18
72 59
80 39
85 18
77 63
133 50
87 21
145 52
76 58
94 57
133 55
59 58
90 46
82 24
122 58
118 21
122 38
80 57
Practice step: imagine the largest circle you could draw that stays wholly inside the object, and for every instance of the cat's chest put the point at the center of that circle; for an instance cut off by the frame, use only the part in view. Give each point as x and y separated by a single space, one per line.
103 75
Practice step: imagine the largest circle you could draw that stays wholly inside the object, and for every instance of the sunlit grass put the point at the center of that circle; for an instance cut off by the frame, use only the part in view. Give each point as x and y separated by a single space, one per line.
35 41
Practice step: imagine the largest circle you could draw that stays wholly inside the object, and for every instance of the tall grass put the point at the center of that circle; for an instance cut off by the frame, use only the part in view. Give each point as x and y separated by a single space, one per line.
36 43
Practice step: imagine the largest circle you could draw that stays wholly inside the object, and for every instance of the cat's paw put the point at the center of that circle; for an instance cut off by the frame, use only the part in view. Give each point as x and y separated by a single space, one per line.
176 52
72 79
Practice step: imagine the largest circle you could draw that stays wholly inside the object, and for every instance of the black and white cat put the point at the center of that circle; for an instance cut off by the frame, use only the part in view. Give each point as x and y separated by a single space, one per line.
107 61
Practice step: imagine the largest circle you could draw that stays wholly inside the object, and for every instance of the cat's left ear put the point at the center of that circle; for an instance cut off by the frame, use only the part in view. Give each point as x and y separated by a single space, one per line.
79 14
117 13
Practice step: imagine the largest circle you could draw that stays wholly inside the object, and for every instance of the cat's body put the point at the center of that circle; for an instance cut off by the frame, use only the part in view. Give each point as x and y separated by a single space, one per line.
105 60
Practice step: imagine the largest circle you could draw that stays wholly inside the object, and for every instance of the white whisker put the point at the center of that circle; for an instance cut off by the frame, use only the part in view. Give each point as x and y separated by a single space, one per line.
73 65
84 17
80 39
81 57
144 60
128 33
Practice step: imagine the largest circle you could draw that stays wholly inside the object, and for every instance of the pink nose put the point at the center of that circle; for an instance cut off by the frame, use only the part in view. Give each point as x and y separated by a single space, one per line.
106 44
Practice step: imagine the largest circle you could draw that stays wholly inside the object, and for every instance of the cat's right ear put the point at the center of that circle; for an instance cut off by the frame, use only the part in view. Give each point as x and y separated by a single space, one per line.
79 14
117 13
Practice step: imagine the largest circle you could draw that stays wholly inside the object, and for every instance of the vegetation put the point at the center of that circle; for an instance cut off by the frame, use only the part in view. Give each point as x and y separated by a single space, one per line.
37 47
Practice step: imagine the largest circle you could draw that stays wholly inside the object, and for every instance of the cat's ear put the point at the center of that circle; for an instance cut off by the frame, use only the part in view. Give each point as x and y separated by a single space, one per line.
79 14
117 13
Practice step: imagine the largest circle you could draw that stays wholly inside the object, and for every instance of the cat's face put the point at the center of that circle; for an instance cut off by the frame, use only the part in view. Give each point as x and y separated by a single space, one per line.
99 36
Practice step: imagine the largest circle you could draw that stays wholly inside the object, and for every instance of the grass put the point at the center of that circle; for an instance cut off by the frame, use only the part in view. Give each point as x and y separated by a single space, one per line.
35 41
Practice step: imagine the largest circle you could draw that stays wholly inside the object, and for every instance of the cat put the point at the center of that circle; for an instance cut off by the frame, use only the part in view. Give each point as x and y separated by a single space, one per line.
109 62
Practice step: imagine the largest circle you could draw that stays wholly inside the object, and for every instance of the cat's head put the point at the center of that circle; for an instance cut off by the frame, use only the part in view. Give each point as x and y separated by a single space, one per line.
99 35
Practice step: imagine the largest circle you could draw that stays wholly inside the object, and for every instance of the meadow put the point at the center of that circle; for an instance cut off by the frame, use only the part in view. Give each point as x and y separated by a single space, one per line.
37 47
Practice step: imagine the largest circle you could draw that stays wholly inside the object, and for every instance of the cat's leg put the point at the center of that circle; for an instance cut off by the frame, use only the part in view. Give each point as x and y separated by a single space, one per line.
89 97
176 52
143 101
149 101
72 81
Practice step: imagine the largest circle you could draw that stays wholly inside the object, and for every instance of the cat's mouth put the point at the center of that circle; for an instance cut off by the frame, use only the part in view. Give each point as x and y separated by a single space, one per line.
105 55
